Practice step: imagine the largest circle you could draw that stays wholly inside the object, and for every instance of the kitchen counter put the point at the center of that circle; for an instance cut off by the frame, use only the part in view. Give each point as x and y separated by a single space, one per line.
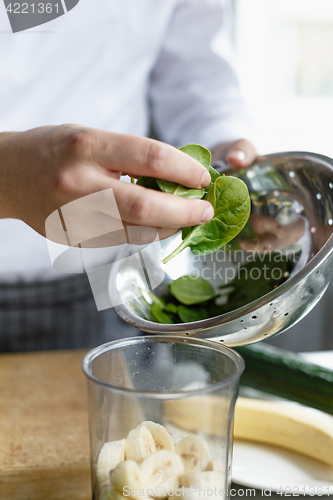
44 440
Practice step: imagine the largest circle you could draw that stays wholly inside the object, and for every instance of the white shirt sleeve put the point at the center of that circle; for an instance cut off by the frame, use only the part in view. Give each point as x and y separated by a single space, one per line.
195 93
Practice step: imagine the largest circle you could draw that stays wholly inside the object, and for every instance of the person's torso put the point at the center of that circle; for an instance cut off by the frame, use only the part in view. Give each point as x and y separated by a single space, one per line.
90 66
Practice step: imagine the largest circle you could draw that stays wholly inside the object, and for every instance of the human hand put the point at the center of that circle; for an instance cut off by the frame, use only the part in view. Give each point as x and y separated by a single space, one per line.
47 168
238 154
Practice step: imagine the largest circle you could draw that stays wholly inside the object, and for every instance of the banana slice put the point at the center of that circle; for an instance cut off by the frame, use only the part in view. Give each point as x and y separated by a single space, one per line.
109 493
139 444
194 453
162 439
161 472
111 454
215 465
186 493
260 421
206 480
127 479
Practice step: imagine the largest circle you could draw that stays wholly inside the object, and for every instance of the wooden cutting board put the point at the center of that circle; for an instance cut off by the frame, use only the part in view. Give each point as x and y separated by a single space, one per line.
44 439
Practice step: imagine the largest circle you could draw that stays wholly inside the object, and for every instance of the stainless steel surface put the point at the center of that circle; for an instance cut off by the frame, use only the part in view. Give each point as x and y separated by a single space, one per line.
292 188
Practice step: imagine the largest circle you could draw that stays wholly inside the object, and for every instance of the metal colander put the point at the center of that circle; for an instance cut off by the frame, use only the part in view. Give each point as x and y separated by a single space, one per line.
289 191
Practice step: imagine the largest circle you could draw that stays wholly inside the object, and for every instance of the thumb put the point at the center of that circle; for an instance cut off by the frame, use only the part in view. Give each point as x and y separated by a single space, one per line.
241 154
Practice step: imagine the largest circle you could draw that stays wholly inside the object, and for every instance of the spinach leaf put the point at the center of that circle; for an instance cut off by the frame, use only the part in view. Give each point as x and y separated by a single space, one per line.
188 315
191 290
248 232
179 190
197 152
173 308
186 231
214 175
255 279
159 315
148 182
230 199
203 156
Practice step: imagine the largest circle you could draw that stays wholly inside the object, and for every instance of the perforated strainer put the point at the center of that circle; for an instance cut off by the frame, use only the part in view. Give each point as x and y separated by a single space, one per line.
292 198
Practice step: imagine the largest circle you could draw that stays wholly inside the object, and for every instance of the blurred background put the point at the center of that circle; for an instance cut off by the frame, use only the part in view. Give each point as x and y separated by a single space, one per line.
285 57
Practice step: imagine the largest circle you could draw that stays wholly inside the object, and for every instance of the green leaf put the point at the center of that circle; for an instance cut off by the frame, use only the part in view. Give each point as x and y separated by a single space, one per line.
148 182
188 315
230 199
248 232
159 315
199 153
191 290
179 190
186 231
171 308
214 175
257 278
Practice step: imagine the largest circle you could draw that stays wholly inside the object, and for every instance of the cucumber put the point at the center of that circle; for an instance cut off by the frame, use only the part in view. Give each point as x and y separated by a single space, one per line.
286 374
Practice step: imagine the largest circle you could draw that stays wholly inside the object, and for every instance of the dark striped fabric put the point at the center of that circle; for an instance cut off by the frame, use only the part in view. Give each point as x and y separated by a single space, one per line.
57 314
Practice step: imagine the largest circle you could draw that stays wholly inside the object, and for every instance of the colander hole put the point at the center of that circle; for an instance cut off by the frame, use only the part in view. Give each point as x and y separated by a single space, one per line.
265 334
242 321
292 174
318 196
221 340
331 185
286 314
254 317
271 304
187 333
330 222
318 272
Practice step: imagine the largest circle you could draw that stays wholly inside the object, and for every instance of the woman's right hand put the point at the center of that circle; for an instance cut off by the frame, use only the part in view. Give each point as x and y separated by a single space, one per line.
47 168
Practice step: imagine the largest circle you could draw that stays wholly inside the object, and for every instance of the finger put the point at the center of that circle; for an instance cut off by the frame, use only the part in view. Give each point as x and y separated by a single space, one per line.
141 156
143 235
134 204
146 207
241 154
135 235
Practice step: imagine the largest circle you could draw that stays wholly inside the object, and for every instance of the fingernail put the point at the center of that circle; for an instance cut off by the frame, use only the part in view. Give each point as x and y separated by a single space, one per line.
205 179
237 154
208 214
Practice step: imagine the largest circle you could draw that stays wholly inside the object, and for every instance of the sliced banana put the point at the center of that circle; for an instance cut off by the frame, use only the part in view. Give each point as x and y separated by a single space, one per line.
194 453
127 479
206 480
111 454
162 439
109 493
161 472
186 493
215 464
139 444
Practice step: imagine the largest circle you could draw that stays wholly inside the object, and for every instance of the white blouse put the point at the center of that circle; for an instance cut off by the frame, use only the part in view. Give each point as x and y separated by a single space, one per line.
118 65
